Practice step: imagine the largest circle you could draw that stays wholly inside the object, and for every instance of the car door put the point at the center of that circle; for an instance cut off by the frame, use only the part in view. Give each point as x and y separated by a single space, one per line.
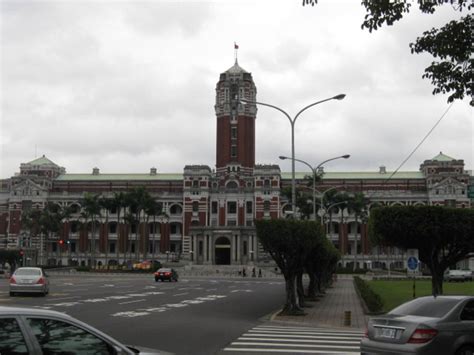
55 336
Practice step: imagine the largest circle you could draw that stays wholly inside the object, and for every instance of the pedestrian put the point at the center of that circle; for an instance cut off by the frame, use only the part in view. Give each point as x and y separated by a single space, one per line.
259 272
243 272
253 273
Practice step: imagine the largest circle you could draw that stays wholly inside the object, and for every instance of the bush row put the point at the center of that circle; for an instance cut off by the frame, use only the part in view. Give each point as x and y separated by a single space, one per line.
372 300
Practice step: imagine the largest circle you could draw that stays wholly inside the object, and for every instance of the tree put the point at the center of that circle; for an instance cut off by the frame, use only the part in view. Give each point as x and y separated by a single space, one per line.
107 204
357 204
452 71
288 241
153 209
118 203
442 235
90 212
320 265
50 225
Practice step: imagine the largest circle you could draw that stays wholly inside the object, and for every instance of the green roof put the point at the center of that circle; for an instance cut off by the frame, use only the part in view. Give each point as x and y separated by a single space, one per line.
359 175
443 157
41 161
118 177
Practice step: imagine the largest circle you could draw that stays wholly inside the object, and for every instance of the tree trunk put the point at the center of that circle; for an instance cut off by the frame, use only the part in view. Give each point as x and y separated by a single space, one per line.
437 282
300 289
312 286
291 307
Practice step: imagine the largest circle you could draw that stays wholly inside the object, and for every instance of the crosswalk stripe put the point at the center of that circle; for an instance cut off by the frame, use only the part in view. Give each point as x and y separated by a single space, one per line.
305 329
292 351
302 340
293 340
295 336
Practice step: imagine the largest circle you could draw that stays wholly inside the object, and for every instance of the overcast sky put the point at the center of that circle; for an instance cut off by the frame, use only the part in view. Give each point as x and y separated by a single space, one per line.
129 85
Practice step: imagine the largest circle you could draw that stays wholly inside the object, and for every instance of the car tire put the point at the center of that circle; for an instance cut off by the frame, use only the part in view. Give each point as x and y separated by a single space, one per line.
466 350
156 279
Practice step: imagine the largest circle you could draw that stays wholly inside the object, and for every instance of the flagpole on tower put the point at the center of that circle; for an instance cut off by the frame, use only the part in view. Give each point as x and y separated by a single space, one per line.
236 47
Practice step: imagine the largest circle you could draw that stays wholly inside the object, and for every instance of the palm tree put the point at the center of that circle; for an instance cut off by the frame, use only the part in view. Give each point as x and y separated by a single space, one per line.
106 204
153 209
50 223
358 206
30 222
91 211
117 203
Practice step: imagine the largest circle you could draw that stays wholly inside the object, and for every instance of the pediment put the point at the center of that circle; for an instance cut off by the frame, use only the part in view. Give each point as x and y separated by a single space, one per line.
449 182
28 188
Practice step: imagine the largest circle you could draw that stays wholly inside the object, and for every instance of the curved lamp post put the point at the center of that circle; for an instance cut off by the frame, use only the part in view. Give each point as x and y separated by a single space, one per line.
315 172
292 123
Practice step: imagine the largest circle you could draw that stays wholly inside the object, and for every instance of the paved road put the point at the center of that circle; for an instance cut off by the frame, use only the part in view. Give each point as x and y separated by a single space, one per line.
193 316
287 339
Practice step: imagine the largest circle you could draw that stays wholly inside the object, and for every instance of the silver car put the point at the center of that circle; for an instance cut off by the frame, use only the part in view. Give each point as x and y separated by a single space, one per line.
29 279
427 325
37 331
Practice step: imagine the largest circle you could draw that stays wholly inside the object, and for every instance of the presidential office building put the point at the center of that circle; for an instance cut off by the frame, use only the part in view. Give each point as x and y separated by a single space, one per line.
209 213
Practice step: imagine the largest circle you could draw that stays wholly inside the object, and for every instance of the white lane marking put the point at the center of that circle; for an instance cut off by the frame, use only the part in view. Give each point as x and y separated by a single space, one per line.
290 351
165 307
181 294
95 300
65 298
148 287
240 291
132 301
323 334
108 285
130 314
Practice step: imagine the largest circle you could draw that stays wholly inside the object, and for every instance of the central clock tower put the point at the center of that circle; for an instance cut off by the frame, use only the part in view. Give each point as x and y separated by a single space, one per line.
235 143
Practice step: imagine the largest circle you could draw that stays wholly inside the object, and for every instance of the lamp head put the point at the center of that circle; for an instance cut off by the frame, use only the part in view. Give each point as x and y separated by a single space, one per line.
346 156
339 97
283 157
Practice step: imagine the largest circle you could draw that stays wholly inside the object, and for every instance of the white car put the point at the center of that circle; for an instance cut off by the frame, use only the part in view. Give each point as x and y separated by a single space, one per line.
38 331
458 275
29 279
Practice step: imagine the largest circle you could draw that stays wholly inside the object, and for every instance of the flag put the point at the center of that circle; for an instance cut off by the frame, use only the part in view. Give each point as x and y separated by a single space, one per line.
236 46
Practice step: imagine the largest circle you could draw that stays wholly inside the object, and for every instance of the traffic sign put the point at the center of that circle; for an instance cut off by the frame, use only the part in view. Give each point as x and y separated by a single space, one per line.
412 263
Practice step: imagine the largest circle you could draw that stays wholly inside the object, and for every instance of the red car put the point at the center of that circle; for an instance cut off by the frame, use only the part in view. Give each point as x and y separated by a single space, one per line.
166 274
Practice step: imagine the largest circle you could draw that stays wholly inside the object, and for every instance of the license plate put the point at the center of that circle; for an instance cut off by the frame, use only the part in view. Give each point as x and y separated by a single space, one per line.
389 333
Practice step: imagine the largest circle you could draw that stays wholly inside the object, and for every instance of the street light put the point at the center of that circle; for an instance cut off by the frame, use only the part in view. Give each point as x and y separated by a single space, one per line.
292 123
315 172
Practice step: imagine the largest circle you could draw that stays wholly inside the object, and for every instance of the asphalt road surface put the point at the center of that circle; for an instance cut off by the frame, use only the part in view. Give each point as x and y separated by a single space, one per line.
192 316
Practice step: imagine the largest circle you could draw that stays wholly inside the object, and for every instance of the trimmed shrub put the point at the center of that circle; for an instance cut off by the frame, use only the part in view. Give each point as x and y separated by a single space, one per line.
372 300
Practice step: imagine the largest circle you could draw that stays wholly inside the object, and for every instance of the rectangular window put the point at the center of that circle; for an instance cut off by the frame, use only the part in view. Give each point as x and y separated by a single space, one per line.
201 248
214 207
231 207
244 251
112 247
233 151
233 132
249 207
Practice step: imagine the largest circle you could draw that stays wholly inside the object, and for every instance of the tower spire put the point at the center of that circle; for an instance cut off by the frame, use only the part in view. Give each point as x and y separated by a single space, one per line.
236 48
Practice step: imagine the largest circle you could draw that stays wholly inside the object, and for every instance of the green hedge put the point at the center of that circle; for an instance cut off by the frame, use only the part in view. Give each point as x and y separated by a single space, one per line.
372 300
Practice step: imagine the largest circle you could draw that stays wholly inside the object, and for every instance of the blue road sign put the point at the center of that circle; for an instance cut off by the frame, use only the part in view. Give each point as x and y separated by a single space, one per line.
412 263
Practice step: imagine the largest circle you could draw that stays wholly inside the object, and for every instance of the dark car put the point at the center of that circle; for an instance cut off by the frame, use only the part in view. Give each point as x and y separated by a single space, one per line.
38 331
166 274
426 325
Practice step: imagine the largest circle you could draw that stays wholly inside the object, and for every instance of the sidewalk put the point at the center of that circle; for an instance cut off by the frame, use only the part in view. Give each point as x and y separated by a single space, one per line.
330 310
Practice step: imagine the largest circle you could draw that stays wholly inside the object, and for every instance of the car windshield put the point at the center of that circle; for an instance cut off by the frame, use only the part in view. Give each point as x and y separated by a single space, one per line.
28 272
164 270
434 307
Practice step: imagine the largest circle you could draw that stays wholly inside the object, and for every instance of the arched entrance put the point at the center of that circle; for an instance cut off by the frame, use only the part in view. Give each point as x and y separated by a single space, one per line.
222 251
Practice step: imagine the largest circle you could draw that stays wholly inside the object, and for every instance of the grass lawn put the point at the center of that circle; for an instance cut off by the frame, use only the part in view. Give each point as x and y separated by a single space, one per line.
394 293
